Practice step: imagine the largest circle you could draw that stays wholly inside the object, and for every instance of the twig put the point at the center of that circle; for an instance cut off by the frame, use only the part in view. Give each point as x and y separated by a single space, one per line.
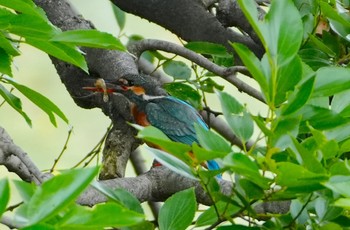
95 150
63 150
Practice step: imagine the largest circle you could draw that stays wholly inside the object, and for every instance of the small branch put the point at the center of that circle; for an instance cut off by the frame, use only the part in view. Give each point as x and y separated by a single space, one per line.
229 74
62 151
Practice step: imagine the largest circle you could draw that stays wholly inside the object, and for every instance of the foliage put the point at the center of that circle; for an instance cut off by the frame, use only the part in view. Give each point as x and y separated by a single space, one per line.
298 150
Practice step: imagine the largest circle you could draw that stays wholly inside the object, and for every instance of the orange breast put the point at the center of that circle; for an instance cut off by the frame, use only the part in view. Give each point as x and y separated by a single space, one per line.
140 117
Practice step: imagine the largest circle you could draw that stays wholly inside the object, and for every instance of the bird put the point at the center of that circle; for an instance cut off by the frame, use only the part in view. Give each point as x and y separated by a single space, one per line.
174 117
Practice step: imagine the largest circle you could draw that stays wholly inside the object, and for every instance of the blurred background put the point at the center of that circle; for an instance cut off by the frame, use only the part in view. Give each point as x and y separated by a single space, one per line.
43 142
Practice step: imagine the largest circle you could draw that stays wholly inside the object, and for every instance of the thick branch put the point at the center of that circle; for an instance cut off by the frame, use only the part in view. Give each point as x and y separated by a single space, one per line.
190 20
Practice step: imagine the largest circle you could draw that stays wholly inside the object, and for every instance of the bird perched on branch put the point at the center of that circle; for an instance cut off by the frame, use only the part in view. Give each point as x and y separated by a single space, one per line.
174 117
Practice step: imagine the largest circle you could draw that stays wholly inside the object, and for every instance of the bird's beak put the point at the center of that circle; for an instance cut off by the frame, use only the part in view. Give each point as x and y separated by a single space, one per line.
102 86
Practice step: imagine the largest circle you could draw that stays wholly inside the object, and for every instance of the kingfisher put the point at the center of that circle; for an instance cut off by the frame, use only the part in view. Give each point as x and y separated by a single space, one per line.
174 117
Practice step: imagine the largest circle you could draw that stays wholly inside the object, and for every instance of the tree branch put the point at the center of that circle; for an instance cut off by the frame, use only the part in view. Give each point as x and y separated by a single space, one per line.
229 74
190 20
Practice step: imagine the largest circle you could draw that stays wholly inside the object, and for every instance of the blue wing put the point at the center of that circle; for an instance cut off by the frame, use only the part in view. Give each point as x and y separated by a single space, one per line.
176 119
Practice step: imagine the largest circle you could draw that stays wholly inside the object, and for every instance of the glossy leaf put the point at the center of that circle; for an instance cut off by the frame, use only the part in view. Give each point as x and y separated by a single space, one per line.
284 31
120 196
24 6
30 26
177 69
341 103
212 141
8 46
292 175
207 48
254 66
339 184
100 216
172 162
14 102
210 216
119 15
209 85
243 165
239 120
57 193
5 63
178 210
283 129
154 136
25 190
288 77
184 92
331 80
41 101
5 194
299 97
202 155
89 38
68 53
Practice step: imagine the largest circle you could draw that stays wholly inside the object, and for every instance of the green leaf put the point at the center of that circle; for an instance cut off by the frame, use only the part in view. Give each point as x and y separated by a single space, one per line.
58 193
208 85
26 190
119 15
299 97
229 104
24 6
238 227
239 120
5 194
5 63
178 211
339 184
212 141
172 162
177 69
29 26
282 129
120 196
298 177
321 118
61 51
89 38
207 48
284 31
41 101
288 77
101 216
210 216
254 66
331 80
184 92
8 46
203 155
155 136
341 103
14 102
322 46
315 58
244 166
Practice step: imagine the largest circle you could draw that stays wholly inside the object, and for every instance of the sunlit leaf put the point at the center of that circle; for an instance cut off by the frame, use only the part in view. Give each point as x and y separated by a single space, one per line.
65 52
177 69
5 194
57 193
178 210
89 38
14 102
41 101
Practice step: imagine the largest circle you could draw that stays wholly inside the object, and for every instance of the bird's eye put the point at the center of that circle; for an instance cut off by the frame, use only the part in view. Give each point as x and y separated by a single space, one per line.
125 82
